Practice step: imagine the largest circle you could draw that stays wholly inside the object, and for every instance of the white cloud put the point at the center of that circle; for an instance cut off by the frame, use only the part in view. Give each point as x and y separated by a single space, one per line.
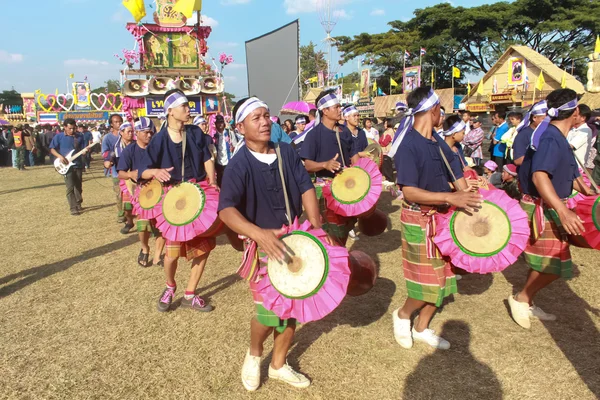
10 58
341 14
308 6
235 66
377 12
234 2
84 62
223 45
206 20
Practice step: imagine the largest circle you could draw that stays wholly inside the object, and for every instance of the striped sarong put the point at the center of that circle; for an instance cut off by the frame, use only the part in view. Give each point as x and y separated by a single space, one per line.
264 316
191 249
146 225
547 250
428 278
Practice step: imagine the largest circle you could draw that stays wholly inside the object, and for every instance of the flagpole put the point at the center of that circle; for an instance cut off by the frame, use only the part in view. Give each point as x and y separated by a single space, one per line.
67 92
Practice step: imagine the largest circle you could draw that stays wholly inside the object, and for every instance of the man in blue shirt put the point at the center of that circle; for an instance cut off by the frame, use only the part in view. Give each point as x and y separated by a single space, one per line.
499 147
108 154
62 144
87 139
547 177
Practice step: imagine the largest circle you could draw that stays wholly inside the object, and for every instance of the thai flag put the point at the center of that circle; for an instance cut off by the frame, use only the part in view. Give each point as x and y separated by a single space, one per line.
50 118
406 54
526 83
423 52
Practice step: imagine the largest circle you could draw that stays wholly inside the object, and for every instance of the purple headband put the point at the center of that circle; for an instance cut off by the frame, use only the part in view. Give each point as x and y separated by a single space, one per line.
400 106
175 99
125 125
349 111
552 113
144 124
540 108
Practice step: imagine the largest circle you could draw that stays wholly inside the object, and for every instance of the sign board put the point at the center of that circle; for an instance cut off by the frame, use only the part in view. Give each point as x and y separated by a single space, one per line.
503 98
98 116
155 106
479 107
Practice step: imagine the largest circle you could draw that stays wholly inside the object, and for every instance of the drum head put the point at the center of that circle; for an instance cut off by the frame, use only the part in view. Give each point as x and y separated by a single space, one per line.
375 153
183 204
482 234
304 271
351 186
150 194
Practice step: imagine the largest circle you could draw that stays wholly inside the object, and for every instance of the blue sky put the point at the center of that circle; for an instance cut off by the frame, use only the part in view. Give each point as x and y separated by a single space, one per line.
55 38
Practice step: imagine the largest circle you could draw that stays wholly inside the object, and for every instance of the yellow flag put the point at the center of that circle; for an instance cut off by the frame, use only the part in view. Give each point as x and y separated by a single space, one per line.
71 76
187 7
455 72
375 86
480 87
563 81
356 84
539 84
137 8
597 48
56 93
468 88
432 76
393 83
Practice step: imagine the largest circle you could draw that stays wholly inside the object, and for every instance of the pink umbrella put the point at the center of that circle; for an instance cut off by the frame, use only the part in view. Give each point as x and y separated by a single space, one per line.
297 107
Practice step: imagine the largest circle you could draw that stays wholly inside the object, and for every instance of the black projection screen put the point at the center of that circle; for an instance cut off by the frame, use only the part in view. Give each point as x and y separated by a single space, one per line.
272 61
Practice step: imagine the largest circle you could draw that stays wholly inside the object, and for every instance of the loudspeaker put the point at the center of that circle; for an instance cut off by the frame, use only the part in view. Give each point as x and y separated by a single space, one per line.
136 88
161 85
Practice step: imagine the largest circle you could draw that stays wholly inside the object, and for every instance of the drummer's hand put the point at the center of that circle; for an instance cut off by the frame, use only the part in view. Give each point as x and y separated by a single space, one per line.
571 222
473 185
330 240
268 240
163 174
214 185
469 201
332 165
133 175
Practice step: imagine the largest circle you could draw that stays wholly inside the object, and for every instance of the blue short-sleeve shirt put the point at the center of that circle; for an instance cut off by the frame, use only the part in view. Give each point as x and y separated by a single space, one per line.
321 145
162 152
131 158
521 142
359 142
64 144
500 148
254 188
553 156
419 163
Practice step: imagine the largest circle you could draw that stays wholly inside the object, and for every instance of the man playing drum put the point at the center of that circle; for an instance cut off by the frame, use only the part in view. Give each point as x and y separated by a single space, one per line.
547 176
253 203
420 156
163 161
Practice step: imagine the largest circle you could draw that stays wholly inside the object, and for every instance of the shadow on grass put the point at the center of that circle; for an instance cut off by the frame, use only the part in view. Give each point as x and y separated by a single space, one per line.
96 208
467 378
32 275
215 287
574 331
31 188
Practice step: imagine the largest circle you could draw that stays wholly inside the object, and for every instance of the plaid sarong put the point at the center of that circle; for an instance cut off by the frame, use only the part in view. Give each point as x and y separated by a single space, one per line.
264 316
191 249
146 225
548 251
428 277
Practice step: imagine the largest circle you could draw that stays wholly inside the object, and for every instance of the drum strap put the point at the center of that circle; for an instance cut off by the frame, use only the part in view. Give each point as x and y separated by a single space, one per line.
183 143
585 171
285 193
337 135
447 165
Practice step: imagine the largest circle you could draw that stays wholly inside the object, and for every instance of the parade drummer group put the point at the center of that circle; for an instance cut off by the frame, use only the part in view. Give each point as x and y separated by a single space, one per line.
254 202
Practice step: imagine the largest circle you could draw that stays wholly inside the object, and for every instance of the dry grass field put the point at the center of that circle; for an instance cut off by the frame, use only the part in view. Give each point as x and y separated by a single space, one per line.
79 320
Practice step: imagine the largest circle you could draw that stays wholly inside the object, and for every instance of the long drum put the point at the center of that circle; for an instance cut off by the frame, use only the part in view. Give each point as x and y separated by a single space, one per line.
487 240
188 211
355 190
588 210
312 280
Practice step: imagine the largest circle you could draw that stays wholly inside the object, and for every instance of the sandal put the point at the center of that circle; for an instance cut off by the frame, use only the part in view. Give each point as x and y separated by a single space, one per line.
143 259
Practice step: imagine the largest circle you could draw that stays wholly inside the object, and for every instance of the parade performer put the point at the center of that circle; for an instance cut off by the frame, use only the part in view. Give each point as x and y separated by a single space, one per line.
61 146
202 123
454 133
128 167
298 141
359 136
125 139
163 161
547 177
258 214
108 154
326 149
424 179
530 122
300 124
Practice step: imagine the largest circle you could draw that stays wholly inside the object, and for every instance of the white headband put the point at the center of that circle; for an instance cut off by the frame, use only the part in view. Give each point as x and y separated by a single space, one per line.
175 99
327 101
455 128
246 109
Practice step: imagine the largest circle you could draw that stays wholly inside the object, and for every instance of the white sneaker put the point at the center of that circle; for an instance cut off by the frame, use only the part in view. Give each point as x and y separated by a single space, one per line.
352 235
289 376
458 277
428 336
536 312
251 372
402 331
519 312
387 184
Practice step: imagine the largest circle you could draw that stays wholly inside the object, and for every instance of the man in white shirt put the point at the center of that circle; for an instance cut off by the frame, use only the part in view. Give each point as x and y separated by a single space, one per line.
225 141
371 132
96 137
580 137
466 117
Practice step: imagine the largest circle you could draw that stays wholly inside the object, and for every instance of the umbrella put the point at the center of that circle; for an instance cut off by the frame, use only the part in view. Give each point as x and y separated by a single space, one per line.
297 107
4 122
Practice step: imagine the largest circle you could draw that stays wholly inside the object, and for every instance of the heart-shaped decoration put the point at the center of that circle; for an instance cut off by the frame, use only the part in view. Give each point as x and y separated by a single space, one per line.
115 101
99 97
46 99
63 99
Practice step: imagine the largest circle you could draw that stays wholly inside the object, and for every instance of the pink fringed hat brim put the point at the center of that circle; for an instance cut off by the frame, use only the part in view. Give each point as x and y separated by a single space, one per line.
326 299
497 262
205 220
366 204
584 210
573 201
142 213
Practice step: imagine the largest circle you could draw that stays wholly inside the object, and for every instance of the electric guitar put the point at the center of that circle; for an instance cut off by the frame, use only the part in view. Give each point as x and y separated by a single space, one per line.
64 168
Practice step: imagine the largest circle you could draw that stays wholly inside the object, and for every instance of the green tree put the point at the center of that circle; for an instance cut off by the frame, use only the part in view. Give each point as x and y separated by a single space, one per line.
311 61
112 85
11 98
